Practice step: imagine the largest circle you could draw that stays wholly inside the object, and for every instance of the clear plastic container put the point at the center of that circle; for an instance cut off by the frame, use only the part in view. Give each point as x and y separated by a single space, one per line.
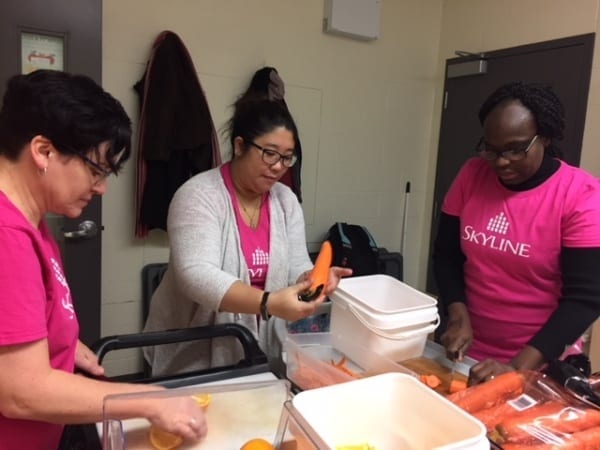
313 361
237 413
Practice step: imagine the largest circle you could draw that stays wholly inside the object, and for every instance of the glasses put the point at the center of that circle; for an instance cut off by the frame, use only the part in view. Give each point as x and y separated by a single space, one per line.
271 157
98 172
516 153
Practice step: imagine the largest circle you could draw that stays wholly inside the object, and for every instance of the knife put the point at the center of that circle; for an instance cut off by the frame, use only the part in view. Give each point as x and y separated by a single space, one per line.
454 359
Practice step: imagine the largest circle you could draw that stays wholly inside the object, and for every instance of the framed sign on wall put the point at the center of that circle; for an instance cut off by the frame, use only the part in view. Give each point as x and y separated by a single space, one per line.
42 50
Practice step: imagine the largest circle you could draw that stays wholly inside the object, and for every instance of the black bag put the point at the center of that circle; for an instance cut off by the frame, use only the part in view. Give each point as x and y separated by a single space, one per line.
354 247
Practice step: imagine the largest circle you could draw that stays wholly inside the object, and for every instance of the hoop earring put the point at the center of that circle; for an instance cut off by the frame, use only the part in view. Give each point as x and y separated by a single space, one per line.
44 170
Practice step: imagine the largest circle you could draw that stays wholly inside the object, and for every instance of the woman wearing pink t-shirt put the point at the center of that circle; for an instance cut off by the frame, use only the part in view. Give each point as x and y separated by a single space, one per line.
61 136
517 255
237 246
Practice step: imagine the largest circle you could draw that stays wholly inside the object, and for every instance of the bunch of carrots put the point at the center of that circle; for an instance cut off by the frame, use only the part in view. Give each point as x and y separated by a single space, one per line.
550 424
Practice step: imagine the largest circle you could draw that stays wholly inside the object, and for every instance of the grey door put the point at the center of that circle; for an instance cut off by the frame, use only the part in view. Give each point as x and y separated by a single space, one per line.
565 64
75 26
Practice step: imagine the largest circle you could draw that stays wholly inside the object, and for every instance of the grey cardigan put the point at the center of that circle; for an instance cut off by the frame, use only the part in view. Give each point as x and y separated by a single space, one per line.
206 259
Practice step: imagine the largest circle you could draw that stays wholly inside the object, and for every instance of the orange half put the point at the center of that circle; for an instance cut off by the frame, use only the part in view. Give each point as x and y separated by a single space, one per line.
257 444
163 440
203 400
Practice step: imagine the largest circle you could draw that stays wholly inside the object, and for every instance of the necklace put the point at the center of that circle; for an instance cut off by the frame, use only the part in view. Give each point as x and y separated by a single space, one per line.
251 217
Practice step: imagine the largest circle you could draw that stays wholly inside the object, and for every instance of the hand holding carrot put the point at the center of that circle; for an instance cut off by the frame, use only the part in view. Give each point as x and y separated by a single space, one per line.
285 303
487 370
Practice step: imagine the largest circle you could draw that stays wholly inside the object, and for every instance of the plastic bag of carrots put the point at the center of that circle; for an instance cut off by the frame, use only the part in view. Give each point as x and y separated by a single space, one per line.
525 410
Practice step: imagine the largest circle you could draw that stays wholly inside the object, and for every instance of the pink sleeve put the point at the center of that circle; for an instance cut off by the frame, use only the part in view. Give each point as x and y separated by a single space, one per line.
455 197
581 223
22 297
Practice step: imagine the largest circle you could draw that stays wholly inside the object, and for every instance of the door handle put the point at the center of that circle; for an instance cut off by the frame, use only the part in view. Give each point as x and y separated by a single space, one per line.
86 230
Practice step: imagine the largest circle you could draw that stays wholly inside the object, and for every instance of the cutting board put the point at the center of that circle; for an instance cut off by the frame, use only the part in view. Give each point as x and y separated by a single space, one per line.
234 417
426 366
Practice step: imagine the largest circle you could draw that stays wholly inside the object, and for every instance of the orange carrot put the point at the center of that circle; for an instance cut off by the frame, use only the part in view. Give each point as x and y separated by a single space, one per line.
491 393
320 272
531 447
457 386
491 417
430 380
552 417
522 427
586 439
583 440
571 420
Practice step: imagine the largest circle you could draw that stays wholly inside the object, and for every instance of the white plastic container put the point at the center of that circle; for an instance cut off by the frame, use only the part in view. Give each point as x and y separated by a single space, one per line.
382 314
391 411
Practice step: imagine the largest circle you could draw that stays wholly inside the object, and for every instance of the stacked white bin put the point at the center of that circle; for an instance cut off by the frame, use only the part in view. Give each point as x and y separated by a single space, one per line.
382 314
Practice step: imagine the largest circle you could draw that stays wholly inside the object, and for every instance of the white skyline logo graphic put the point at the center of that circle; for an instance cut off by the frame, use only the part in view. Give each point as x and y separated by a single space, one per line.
498 224
260 257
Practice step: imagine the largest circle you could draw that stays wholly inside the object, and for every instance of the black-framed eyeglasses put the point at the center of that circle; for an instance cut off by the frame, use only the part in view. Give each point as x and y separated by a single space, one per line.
272 157
515 152
98 172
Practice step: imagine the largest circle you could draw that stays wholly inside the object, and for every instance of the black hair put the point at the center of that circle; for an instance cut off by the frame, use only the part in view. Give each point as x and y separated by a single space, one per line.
541 100
257 115
72 111
260 81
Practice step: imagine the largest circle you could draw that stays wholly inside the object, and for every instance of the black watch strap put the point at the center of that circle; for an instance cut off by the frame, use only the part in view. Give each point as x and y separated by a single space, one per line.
263 306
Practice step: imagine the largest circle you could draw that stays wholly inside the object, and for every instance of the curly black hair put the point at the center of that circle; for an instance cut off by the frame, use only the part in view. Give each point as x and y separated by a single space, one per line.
541 100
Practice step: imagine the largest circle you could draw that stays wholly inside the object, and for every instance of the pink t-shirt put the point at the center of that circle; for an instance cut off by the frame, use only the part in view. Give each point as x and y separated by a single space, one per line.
512 243
254 242
35 304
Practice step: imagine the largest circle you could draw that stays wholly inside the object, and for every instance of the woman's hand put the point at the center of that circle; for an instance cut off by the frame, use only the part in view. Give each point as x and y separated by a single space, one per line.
286 303
335 275
458 336
179 415
87 361
486 370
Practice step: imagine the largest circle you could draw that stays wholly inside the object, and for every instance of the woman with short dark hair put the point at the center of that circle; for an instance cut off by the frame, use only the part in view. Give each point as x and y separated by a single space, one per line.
61 136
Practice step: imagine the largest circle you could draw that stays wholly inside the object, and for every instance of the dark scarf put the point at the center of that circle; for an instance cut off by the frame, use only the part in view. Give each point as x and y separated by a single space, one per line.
547 168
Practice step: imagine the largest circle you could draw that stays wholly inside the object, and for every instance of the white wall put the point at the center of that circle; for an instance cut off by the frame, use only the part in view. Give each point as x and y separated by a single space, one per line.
368 112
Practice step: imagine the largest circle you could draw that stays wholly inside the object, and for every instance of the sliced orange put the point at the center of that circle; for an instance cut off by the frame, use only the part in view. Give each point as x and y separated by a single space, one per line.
257 444
203 400
163 440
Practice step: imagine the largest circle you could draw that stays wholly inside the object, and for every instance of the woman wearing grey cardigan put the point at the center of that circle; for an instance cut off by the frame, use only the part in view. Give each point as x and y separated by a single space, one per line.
237 246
